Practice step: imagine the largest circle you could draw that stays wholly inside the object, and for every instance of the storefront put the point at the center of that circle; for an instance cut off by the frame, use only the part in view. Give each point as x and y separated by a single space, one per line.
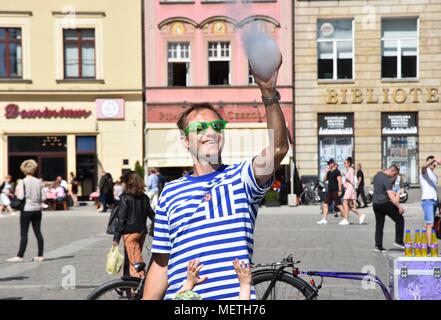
336 138
83 137
400 143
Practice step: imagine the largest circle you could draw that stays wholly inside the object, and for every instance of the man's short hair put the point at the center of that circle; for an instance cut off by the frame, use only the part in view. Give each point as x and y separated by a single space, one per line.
331 161
182 122
430 158
395 167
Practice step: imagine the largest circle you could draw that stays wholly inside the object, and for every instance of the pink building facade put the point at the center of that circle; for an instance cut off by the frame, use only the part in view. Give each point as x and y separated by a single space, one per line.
194 53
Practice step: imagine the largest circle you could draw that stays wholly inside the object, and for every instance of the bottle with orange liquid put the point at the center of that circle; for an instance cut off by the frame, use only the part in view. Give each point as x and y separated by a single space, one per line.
417 244
424 243
408 244
434 245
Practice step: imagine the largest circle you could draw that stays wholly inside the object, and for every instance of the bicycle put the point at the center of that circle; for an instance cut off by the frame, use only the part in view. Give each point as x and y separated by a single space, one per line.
126 287
281 281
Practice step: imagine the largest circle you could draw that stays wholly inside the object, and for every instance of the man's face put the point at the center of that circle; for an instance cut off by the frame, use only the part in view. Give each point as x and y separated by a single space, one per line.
207 145
433 166
358 167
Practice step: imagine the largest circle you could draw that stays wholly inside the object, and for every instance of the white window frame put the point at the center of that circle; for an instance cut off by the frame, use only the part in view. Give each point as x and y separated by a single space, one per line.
219 57
61 23
335 52
180 58
399 50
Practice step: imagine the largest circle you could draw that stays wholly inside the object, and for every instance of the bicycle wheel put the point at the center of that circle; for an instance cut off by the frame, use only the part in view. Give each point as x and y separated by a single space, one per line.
117 290
286 287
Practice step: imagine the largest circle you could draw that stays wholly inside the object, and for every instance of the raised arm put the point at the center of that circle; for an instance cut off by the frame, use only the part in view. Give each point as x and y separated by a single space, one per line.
268 161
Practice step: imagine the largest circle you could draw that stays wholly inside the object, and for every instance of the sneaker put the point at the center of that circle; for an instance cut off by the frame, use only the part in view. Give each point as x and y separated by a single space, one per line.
15 259
399 245
38 259
344 222
323 221
336 215
362 218
380 249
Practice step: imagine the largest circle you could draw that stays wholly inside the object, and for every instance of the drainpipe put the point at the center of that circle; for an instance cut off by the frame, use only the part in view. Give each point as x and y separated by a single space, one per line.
144 96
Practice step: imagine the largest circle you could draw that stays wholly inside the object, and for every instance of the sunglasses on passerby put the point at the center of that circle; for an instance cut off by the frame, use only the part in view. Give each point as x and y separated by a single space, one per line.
201 126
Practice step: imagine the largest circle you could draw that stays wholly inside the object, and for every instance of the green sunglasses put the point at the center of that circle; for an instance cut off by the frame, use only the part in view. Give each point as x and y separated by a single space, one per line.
201 126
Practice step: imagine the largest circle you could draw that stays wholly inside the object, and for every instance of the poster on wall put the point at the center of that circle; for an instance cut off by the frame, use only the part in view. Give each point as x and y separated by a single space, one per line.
399 123
336 124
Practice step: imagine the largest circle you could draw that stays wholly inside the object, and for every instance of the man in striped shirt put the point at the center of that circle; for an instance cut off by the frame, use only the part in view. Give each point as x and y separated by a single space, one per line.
210 214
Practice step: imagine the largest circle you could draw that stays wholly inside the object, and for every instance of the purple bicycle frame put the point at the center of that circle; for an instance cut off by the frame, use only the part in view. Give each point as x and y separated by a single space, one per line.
351 276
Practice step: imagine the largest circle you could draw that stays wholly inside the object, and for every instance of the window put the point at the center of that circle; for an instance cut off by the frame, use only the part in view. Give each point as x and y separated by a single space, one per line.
335 48
399 48
79 53
219 58
10 53
179 64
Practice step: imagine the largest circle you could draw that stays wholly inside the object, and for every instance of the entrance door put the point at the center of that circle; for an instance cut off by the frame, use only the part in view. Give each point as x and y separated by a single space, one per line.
86 174
51 167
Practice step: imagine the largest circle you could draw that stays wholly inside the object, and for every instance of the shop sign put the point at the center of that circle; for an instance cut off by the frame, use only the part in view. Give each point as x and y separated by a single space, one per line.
382 96
110 109
399 123
13 111
336 124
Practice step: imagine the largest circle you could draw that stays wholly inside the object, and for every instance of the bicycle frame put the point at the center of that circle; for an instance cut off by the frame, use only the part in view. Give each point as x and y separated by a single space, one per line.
289 263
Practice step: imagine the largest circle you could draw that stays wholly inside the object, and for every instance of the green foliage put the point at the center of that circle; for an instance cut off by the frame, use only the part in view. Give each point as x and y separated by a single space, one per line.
139 169
272 196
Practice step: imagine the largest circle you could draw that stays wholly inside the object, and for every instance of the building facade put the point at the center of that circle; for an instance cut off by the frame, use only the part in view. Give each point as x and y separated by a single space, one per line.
194 54
71 87
367 83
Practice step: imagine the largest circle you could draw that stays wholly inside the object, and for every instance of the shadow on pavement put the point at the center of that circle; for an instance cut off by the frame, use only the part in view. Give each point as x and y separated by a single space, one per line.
59 258
12 298
13 279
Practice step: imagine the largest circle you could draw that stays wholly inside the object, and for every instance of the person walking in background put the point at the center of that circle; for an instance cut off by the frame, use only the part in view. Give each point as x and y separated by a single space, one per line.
106 191
429 196
131 221
350 194
396 188
73 190
153 187
385 204
334 192
360 187
118 190
6 193
30 188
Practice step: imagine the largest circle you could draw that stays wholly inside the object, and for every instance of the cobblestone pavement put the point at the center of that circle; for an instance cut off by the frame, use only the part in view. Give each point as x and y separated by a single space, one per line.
76 246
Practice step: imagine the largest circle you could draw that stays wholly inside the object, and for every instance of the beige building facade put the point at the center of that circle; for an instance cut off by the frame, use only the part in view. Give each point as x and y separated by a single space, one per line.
367 84
71 87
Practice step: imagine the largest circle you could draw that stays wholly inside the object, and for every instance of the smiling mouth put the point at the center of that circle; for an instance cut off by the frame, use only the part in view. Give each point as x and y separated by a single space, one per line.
210 142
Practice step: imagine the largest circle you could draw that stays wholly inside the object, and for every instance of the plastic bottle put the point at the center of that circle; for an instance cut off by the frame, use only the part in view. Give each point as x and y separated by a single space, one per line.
434 245
417 244
424 243
408 244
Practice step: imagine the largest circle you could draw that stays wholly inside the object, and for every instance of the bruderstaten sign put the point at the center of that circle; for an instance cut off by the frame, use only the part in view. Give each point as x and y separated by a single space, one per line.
12 111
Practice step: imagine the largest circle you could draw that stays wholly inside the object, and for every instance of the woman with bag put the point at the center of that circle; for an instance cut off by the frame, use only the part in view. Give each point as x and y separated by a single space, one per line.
29 192
130 221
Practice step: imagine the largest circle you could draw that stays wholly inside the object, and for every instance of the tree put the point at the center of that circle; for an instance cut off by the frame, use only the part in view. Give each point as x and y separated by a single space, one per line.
139 169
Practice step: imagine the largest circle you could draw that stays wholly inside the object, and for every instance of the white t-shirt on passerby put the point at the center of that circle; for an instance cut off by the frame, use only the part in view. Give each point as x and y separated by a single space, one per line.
429 183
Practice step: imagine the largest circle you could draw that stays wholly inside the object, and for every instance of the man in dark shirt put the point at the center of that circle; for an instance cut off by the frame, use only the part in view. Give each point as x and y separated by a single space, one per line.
334 192
386 204
360 187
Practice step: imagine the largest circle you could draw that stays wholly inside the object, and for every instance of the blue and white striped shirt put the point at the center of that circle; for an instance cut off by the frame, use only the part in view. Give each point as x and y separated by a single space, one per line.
210 218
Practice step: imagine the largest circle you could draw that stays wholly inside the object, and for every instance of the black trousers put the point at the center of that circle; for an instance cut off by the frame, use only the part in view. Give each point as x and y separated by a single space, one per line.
381 211
26 218
360 192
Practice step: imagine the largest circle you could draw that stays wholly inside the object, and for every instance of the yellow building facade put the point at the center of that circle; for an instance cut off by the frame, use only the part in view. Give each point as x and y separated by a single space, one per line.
71 87
367 84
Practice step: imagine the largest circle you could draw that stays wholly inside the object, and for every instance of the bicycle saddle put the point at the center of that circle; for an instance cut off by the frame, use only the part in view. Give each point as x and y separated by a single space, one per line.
139 266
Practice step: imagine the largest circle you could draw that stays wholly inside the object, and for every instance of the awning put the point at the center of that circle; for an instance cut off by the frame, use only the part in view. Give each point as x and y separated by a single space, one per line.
164 147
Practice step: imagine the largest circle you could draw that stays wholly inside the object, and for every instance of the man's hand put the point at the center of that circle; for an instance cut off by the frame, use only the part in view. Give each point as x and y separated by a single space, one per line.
401 210
115 244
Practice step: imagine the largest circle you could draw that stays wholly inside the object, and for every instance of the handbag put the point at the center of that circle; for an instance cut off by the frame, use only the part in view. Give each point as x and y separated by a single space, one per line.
114 260
19 204
113 219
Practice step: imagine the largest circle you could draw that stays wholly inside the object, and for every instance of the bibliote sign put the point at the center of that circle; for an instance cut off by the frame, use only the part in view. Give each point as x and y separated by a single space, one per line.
13 111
